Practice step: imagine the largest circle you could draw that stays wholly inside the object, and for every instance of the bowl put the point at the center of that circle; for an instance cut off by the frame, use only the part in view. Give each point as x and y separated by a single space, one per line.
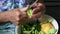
43 19
52 20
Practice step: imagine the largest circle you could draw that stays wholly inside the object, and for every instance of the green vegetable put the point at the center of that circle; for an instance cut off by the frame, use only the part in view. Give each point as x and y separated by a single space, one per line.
30 28
51 31
26 32
29 12
41 32
36 32
33 32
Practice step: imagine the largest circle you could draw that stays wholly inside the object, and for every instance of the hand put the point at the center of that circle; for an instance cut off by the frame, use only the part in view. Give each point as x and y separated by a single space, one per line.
18 16
38 10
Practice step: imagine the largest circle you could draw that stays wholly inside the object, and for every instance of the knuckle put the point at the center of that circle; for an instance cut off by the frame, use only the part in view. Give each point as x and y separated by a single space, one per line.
17 22
17 13
17 19
24 13
40 5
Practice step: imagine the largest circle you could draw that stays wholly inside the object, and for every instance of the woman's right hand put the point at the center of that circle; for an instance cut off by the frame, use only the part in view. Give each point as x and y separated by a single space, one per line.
18 16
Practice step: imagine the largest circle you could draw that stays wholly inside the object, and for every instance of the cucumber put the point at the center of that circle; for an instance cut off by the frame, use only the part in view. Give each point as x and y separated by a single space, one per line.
29 12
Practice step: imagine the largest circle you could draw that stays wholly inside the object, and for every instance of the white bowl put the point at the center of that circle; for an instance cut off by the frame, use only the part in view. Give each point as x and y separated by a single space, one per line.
46 17
52 20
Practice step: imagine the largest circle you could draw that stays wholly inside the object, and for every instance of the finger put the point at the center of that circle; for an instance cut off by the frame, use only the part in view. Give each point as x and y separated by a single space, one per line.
39 4
36 15
25 8
16 22
36 10
42 7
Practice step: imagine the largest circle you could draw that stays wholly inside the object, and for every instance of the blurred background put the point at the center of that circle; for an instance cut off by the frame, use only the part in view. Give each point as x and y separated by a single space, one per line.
53 9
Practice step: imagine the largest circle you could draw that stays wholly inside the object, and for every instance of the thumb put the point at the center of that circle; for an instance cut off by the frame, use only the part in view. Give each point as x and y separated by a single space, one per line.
25 8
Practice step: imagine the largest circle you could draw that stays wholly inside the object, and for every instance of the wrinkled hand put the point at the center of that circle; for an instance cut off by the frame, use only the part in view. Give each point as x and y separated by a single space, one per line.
18 15
38 10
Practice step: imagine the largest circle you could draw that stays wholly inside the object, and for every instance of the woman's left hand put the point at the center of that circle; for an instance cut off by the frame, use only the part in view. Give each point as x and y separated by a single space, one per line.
38 10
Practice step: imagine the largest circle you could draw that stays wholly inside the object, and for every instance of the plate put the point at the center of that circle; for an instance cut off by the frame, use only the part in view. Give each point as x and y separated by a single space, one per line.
43 19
